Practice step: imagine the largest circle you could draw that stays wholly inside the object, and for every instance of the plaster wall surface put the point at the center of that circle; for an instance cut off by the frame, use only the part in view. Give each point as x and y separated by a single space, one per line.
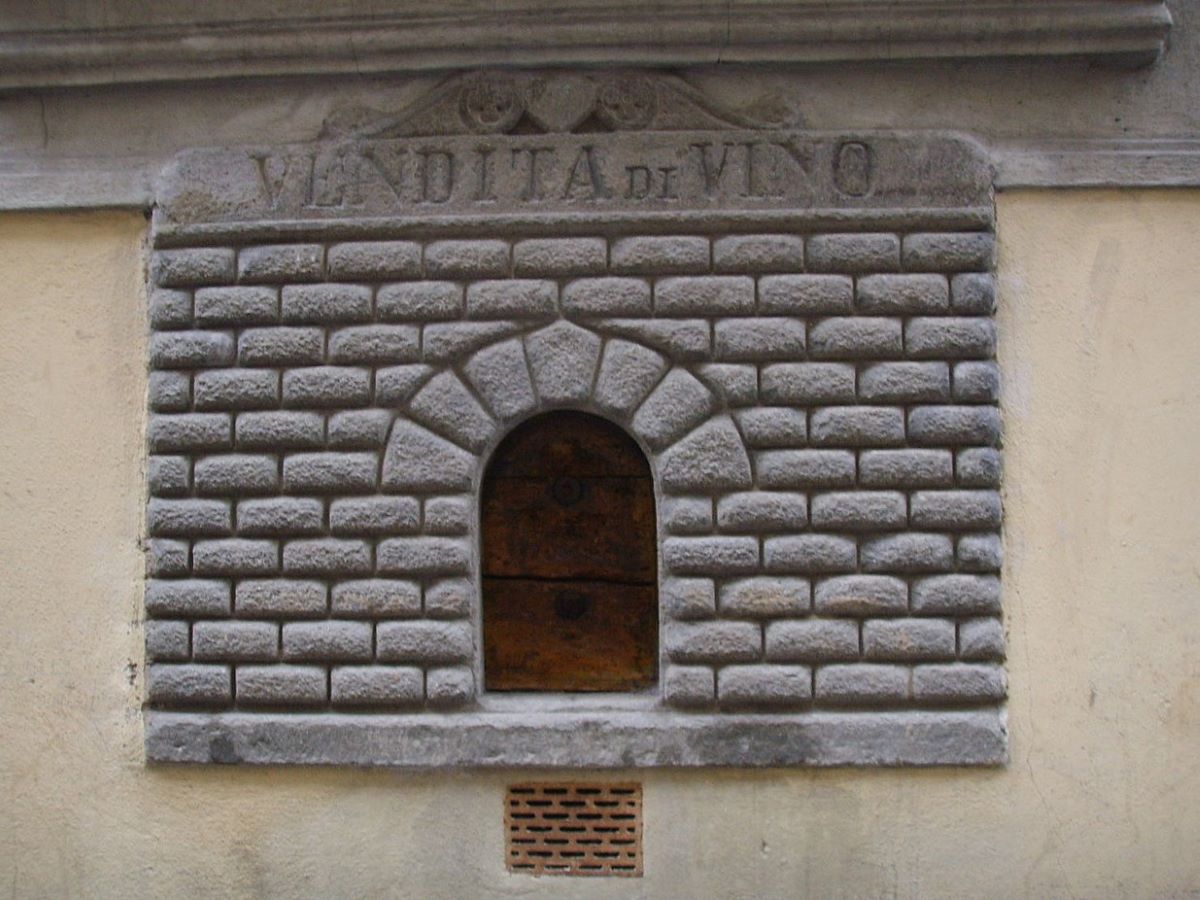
1102 601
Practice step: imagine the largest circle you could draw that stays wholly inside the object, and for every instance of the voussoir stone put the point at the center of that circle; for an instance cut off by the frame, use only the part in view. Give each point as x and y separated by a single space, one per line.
711 458
563 358
419 460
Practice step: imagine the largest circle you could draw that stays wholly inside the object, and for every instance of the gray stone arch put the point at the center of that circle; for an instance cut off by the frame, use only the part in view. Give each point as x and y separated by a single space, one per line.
492 378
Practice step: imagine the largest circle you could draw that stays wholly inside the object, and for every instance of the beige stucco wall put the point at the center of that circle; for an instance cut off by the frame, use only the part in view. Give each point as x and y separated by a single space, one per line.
1100 316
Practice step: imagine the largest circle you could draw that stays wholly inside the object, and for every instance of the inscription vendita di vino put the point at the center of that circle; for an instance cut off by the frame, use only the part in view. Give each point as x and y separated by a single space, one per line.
588 171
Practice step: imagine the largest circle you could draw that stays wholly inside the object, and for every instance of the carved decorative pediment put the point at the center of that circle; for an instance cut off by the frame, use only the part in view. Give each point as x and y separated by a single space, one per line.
557 102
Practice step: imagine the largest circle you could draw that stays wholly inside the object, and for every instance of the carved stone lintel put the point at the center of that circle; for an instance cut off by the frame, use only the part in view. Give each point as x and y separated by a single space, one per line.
531 145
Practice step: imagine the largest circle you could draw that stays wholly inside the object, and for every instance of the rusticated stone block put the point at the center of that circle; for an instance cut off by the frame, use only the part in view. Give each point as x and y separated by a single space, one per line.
909 639
805 384
237 306
908 551
861 684
812 640
188 518
467 259
170 309
280 430
713 642
956 595
169 476
235 641
189 684
861 595
447 687
424 556
236 473
419 301
755 511
235 556
773 426
193 266
326 303
190 349
281 263
333 640
958 683
376 598
857 426
948 252
805 468
855 338
289 598
981 639
370 260
689 687
167 641
660 255
853 253
710 555
191 597
424 642
688 598
512 299
712 295
607 297
281 686
376 686
760 339
374 345
765 597
809 553
899 295
327 556
374 515
560 256
774 686
754 253
805 295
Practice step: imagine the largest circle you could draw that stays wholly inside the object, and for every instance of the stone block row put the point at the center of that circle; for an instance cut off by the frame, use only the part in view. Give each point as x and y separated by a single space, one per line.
431 597
767 511
676 254
864 685
304 686
286 325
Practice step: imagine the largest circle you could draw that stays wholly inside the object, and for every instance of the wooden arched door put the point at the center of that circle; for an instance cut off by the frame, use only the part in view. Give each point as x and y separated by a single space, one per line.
570 599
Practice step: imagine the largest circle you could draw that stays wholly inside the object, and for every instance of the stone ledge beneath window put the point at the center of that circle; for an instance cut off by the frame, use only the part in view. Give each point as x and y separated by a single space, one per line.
557 740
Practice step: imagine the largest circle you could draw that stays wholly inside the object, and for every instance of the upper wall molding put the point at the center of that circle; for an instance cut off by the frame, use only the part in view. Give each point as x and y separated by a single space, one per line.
224 43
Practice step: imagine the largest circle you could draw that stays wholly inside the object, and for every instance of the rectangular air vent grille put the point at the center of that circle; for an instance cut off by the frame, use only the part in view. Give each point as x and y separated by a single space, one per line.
574 828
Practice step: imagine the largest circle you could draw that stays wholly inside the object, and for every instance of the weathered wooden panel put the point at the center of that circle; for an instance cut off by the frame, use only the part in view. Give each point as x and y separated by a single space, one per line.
570 528
569 561
568 635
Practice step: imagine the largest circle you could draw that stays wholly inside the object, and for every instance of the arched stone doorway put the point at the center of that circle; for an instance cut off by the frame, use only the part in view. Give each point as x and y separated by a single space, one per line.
569 559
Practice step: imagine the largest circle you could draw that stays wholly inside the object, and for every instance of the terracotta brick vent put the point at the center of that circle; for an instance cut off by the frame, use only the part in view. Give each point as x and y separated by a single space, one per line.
574 828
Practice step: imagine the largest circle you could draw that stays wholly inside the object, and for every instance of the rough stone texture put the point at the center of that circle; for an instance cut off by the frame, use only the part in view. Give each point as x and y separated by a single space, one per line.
819 409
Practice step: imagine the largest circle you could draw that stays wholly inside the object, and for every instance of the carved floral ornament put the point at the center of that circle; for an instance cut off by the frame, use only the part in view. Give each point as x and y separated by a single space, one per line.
496 102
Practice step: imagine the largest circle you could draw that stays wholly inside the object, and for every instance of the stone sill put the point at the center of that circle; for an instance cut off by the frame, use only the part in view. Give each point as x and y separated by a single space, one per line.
583 739
579 33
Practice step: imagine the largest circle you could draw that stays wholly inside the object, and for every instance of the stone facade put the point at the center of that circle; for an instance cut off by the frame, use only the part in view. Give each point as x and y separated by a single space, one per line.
797 330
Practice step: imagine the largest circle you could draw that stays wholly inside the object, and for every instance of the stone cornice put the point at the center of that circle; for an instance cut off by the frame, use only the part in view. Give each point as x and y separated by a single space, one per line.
672 34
